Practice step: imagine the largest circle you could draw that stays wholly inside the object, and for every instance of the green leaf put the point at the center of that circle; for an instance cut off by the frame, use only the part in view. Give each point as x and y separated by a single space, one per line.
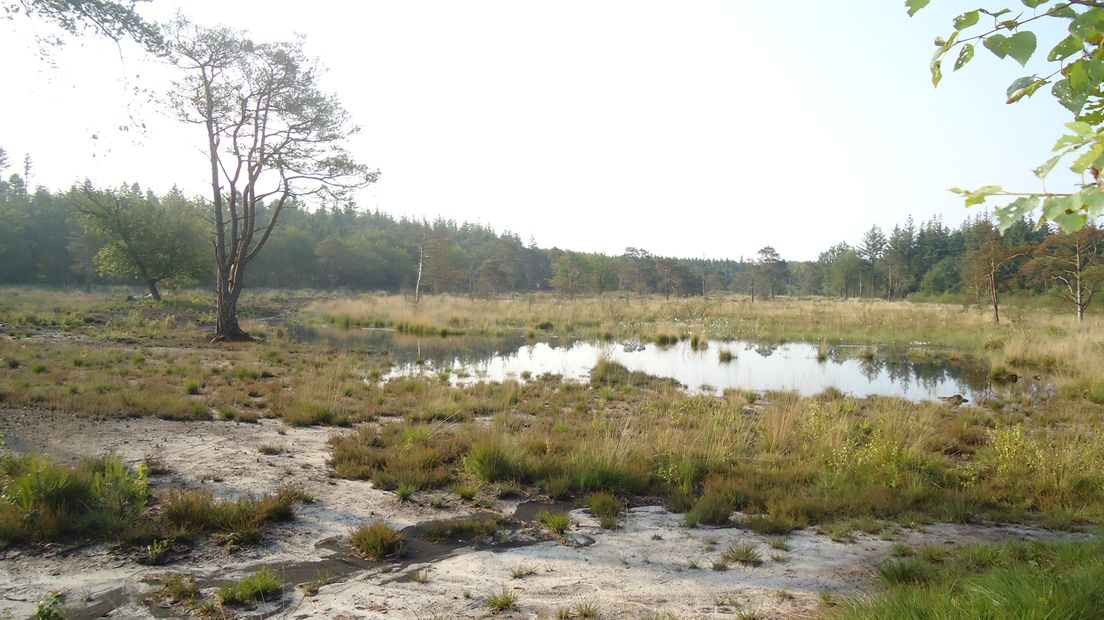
1024 87
965 56
1063 10
1086 159
1078 78
998 44
1070 222
1071 100
937 72
1043 170
967 19
1014 211
1034 3
1087 24
1066 47
915 5
1093 200
1058 206
1021 46
1081 128
943 46
979 195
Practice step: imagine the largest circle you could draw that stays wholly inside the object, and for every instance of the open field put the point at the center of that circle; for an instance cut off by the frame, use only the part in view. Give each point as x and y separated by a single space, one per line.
761 503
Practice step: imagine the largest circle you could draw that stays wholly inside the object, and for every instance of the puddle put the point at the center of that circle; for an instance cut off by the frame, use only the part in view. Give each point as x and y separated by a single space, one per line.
915 373
528 511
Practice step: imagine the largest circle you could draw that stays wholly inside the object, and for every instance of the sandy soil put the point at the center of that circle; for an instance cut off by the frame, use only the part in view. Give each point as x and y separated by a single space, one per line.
649 565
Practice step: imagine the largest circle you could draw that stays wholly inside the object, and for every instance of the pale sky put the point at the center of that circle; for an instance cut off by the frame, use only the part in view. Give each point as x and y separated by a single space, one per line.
685 127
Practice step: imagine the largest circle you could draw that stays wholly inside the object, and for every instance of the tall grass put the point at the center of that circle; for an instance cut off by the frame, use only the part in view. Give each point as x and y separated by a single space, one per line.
46 500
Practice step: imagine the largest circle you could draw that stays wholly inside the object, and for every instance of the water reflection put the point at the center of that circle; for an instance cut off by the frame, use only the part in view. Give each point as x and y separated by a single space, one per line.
912 373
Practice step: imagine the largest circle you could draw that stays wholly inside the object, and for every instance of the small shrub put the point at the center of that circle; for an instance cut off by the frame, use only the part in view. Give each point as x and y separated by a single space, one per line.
377 541
191 387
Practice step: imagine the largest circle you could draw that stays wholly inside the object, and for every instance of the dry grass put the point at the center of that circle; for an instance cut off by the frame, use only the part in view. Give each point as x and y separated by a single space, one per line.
832 320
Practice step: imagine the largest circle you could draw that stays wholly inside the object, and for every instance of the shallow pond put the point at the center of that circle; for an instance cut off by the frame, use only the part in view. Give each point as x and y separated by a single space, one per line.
913 373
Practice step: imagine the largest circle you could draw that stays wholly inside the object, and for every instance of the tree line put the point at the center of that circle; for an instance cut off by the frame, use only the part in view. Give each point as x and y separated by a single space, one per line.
90 235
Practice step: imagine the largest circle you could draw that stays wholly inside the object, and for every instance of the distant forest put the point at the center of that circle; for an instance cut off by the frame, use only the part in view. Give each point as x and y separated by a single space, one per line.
43 240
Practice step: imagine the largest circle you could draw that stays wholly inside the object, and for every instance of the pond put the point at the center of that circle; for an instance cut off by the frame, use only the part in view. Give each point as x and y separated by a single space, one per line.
915 373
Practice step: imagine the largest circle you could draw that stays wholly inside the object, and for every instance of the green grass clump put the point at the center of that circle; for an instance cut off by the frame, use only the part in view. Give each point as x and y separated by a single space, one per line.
558 522
303 412
45 500
186 513
502 600
605 506
496 462
261 586
744 553
377 541
1014 580
469 529
710 509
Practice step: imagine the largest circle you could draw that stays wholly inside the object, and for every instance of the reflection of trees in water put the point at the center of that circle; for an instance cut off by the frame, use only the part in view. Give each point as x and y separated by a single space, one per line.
927 370
871 367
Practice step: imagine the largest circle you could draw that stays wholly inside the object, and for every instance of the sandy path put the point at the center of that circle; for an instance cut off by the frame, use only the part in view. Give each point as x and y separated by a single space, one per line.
647 565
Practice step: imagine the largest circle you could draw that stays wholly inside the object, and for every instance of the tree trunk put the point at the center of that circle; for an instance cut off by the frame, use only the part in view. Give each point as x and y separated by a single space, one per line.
154 293
227 292
993 294
421 263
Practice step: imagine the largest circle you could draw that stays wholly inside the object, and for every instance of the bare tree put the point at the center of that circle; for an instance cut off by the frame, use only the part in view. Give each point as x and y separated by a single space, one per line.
989 259
1072 264
272 137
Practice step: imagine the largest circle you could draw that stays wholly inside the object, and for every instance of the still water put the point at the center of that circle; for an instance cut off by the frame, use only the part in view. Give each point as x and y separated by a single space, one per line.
807 368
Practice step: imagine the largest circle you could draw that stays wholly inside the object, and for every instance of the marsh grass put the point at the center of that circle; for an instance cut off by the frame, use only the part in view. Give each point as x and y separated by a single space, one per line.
377 541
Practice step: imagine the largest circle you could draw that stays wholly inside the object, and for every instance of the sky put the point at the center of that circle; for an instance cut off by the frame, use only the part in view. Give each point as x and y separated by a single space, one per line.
688 128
